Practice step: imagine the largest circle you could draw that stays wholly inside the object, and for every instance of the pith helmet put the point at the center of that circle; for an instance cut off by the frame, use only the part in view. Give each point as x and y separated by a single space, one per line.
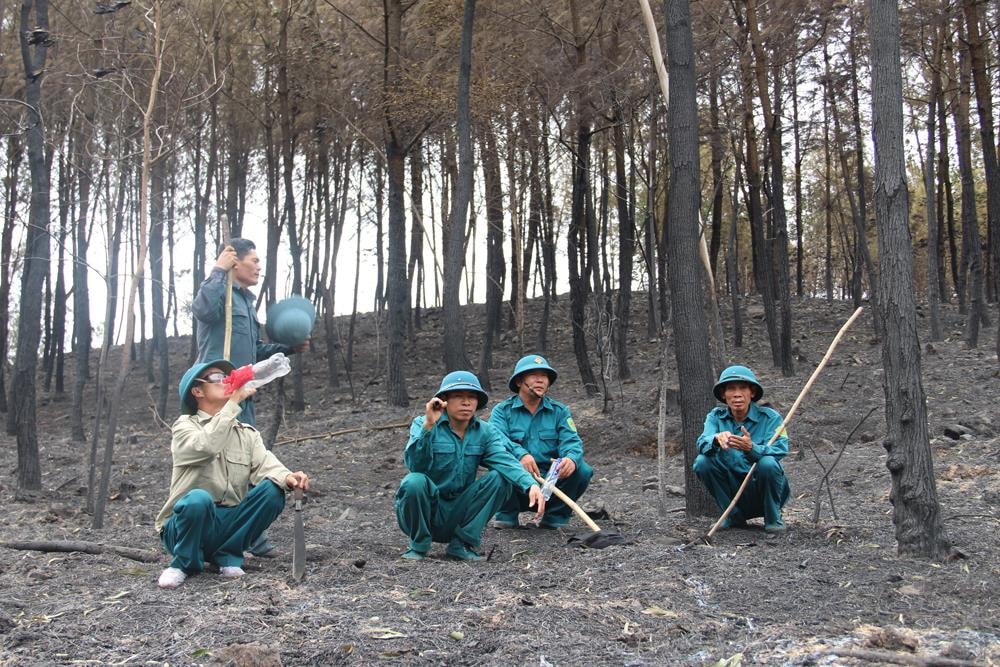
738 374
532 362
290 321
188 405
463 381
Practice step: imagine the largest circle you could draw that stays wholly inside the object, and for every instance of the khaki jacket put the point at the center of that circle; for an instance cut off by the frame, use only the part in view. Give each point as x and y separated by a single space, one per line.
220 455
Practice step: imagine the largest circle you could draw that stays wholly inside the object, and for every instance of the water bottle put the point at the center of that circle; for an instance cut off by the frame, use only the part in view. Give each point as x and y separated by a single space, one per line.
550 479
270 369
259 374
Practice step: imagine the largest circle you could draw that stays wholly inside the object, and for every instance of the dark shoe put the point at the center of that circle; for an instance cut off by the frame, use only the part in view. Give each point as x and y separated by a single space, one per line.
730 522
552 524
776 528
502 520
413 554
262 548
462 551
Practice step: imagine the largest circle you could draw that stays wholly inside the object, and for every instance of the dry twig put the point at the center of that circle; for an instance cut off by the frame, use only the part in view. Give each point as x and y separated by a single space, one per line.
331 434
826 472
902 658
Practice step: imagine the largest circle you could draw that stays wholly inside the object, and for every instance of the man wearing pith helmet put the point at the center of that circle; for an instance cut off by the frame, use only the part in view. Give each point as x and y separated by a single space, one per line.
441 500
737 435
540 430
226 488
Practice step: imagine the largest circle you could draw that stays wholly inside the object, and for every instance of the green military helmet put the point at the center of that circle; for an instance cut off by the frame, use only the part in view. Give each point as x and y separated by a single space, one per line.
738 374
290 321
463 381
532 362
188 405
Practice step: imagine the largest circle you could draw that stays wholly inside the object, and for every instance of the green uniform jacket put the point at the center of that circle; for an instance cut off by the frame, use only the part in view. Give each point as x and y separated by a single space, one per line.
209 307
451 462
220 455
548 434
761 422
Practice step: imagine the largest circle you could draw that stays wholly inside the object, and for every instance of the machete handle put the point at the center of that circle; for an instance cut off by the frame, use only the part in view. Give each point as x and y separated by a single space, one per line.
572 505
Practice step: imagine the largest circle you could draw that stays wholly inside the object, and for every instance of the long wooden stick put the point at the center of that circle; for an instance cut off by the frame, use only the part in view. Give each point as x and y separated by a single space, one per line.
570 504
784 422
227 344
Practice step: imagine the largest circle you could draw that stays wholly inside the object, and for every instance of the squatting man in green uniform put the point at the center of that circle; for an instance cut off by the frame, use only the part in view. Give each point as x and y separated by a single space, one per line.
736 436
540 430
441 500
212 514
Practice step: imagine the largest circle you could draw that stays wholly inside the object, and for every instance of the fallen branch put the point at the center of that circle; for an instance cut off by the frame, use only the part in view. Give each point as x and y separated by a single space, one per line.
902 658
331 434
85 547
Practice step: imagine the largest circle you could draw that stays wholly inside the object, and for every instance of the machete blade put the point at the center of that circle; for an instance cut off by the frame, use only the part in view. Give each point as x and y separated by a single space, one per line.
299 550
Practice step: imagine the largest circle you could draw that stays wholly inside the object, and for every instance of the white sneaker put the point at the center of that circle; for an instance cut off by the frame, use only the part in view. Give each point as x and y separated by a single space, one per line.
231 572
171 577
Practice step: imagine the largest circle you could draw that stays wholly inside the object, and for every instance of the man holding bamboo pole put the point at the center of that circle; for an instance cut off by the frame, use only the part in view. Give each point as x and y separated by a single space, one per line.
736 436
238 259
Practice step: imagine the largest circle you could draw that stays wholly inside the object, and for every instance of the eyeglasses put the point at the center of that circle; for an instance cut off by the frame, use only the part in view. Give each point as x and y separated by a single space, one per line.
212 378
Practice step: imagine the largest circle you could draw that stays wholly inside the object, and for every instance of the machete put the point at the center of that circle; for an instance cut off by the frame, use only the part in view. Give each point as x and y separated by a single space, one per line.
299 552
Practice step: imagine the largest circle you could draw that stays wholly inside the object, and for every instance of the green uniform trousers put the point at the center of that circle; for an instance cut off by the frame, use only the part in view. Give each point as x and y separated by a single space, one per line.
765 495
199 530
426 516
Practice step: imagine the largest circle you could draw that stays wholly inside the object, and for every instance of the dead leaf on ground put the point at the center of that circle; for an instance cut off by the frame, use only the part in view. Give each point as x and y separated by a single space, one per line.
660 612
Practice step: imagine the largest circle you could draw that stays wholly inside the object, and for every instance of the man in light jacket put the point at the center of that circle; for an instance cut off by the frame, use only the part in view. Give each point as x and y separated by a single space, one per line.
212 513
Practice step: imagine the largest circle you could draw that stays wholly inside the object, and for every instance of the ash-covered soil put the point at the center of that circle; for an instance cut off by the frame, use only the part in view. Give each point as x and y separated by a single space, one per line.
832 585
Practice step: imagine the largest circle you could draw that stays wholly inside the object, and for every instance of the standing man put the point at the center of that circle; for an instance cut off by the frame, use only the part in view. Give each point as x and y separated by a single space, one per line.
539 431
209 308
213 513
736 435
441 500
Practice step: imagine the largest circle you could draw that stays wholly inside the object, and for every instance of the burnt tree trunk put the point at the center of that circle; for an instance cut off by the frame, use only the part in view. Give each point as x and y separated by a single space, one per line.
579 220
694 369
415 265
946 200
626 247
81 291
495 263
733 257
54 359
34 16
984 107
288 140
548 242
454 356
972 254
779 219
933 230
395 157
914 495
649 248
759 243
158 350
15 153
